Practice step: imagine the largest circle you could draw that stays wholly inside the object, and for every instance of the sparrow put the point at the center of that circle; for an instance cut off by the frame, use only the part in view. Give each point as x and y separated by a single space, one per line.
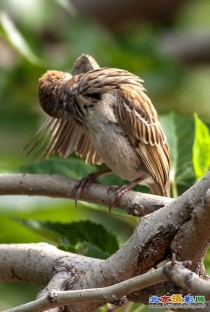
104 116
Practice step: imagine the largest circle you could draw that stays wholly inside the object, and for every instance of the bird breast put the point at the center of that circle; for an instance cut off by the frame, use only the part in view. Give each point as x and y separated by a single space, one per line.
111 142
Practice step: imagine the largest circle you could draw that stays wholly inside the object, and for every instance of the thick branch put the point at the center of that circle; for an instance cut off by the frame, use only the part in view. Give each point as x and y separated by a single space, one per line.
56 186
106 294
149 244
114 16
35 263
190 46
187 279
190 243
198 230
174 271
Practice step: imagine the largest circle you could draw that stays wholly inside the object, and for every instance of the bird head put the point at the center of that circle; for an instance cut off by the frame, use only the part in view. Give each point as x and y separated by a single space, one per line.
52 93
65 96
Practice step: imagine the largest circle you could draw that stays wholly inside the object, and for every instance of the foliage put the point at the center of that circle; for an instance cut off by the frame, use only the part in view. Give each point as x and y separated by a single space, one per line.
201 148
180 134
71 167
84 237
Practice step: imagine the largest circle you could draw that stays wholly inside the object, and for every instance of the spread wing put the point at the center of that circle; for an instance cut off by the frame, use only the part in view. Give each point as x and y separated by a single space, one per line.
63 137
138 118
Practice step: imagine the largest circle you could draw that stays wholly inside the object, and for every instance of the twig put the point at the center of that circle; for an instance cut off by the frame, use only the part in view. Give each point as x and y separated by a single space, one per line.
185 278
176 272
107 294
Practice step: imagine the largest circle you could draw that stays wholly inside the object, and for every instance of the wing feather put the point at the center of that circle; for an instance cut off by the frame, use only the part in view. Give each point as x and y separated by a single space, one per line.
63 137
139 120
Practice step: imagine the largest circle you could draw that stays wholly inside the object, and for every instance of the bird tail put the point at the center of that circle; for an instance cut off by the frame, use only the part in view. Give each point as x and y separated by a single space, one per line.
161 190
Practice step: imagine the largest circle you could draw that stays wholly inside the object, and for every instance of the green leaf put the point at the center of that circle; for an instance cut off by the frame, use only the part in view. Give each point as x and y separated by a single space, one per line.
180 134
84 237
15 38
75 168
201 148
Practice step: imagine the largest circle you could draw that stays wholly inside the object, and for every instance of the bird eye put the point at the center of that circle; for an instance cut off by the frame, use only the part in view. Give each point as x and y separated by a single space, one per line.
94 96
60 103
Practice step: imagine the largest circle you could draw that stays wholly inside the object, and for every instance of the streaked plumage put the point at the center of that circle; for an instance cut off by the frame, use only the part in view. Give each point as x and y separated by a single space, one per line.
104 116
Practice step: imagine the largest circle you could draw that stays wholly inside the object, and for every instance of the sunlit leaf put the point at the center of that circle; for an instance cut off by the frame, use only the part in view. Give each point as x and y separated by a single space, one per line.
201 148
180 134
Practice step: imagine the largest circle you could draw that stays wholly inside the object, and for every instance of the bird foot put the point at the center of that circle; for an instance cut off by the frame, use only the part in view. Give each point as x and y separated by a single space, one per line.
84 184
120 190
118 193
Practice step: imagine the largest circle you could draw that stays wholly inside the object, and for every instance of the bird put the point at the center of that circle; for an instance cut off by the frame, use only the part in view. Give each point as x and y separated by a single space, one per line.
105 116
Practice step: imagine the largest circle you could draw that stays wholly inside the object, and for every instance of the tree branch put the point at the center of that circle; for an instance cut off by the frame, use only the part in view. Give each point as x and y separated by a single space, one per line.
190 46
185 278
174 271
195 247
149 244
106 294
146 248
36 263
138 204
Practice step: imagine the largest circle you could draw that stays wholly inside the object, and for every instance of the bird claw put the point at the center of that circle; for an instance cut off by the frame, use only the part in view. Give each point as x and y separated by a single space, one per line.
83 185
119 191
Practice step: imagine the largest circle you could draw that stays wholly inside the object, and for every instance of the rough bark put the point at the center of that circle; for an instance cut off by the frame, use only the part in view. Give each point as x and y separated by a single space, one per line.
180 227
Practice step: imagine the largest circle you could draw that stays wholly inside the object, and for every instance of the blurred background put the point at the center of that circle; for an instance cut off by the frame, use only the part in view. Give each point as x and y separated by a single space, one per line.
166 43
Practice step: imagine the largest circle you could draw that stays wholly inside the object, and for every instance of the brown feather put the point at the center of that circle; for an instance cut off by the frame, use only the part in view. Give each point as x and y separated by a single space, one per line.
68 137
51 139
144 132
133 127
